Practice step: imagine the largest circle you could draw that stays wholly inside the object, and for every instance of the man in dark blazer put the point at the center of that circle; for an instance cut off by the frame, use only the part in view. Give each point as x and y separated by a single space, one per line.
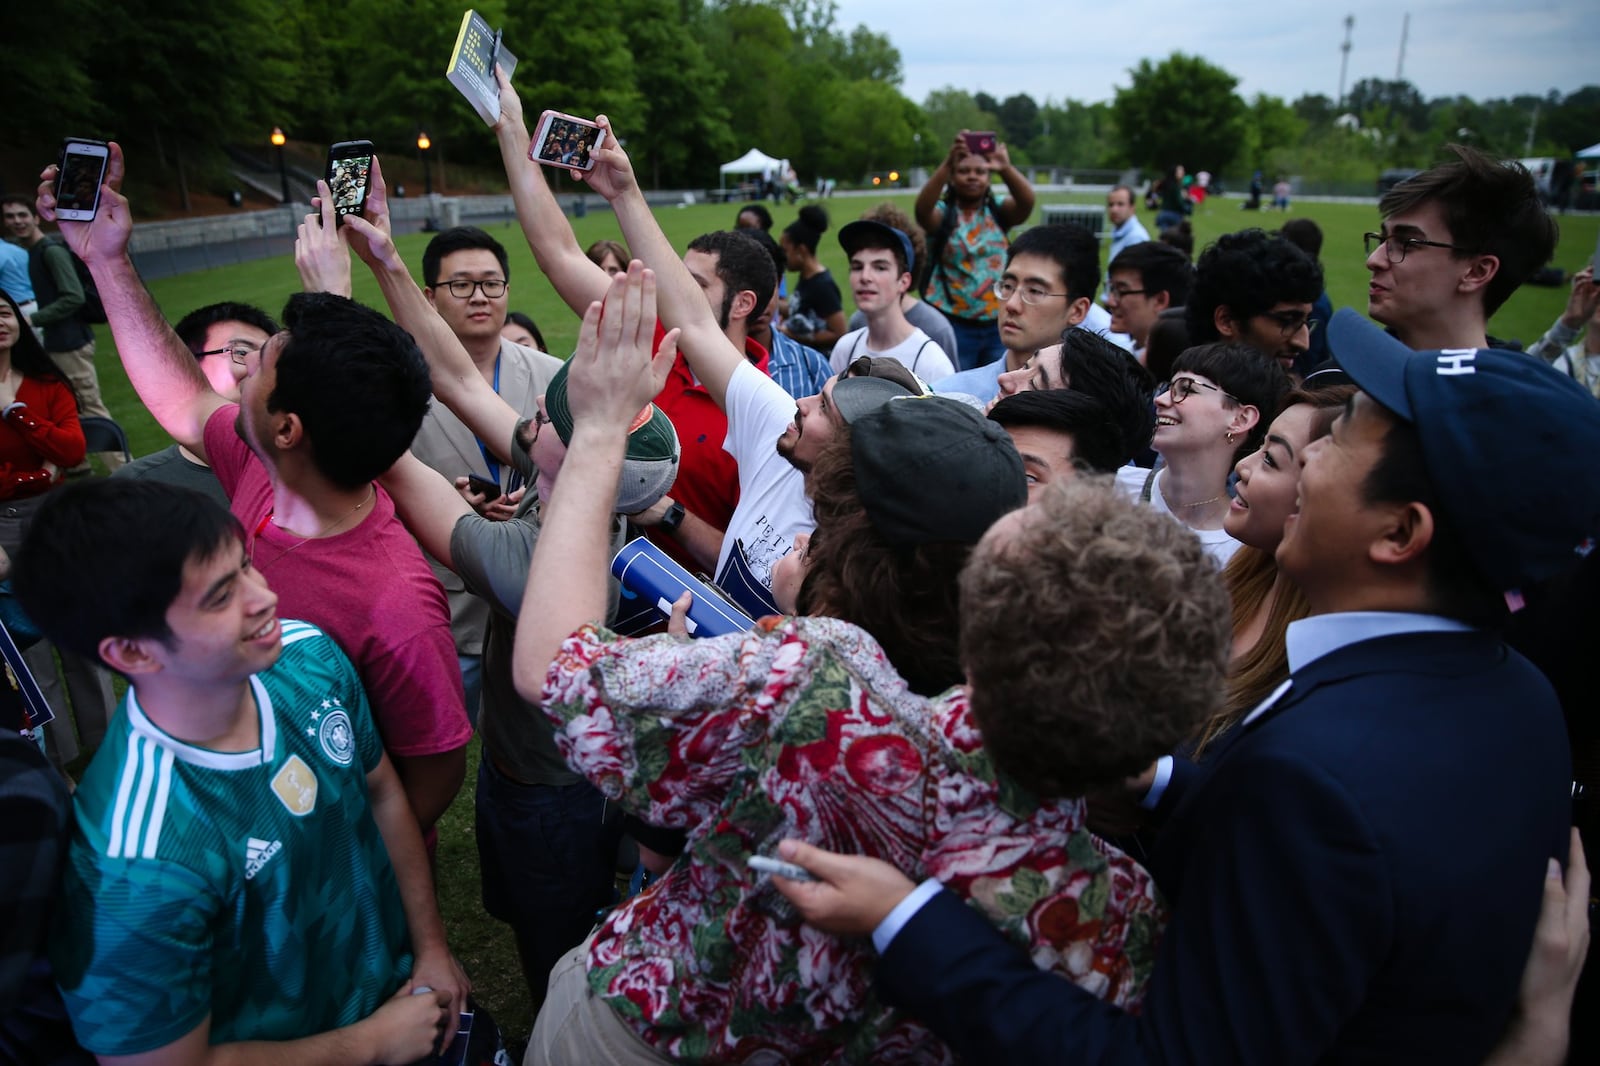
1356 871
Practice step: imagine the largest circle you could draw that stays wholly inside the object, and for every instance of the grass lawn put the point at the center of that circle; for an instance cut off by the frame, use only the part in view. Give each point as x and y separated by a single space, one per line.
481 943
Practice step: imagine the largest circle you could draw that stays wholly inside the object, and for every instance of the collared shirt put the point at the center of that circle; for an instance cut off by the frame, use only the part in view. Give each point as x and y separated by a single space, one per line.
799 368
1127 235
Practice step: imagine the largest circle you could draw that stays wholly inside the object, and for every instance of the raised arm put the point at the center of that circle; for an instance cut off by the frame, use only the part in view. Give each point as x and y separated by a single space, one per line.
1019 205
456 382
164 373
927 209
427 503
614 374
578 281
682 304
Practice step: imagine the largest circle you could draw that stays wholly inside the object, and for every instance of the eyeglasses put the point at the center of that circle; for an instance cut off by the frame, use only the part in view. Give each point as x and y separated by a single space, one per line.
1117 292
236 351
1397 247
1031 294
1180 389
461 289
1290 322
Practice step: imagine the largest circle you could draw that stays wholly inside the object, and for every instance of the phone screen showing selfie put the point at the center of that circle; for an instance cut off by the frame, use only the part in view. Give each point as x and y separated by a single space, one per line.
568 144
80 181
349 183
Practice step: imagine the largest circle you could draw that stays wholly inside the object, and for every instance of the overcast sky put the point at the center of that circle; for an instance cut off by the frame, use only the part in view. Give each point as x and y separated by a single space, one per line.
1083 51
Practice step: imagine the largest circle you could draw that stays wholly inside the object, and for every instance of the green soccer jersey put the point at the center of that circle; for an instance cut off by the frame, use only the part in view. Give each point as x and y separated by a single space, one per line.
253 886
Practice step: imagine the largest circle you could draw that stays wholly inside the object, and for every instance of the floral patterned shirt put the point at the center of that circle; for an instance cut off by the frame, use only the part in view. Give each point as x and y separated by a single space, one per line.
973 262
803 729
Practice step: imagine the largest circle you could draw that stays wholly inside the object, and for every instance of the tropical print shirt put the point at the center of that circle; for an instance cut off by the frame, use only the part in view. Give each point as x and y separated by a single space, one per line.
803 729
973 262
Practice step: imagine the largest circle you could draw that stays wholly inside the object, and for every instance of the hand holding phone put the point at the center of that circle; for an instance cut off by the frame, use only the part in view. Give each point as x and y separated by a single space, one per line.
566 141
81 172
981 142
349 176
489 490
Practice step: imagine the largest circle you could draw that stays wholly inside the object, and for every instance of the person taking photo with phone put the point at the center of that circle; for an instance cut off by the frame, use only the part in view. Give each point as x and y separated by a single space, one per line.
967 227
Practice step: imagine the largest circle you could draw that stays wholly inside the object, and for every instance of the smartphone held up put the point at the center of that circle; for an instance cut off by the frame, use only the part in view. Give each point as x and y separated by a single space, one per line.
981 142
82 170
349 176
566 141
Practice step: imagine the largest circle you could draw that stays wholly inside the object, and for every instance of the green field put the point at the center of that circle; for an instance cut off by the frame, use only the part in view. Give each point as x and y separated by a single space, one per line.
481 943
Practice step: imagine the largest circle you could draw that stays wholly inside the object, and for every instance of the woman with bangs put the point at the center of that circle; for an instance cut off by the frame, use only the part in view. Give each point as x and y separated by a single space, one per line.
1212 413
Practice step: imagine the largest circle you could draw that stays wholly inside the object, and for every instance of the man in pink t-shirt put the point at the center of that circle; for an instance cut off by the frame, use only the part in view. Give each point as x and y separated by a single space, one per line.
325 407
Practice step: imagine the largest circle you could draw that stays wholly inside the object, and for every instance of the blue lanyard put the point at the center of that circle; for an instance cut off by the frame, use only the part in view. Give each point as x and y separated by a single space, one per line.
489 461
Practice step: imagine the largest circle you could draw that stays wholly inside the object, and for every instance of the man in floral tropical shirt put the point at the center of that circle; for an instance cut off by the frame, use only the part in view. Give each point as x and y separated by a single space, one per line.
804 728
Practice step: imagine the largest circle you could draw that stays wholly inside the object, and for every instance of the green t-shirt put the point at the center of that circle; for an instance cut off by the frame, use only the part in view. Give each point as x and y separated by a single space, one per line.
251 886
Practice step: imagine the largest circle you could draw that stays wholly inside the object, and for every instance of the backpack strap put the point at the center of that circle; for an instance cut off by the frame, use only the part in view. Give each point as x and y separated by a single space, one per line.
1149 484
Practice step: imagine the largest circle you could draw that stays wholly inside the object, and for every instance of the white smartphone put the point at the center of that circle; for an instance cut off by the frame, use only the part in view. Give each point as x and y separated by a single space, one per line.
81 170
781 868
565 141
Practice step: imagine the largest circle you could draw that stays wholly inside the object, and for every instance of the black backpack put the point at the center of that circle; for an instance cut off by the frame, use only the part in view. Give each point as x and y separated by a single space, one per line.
93 310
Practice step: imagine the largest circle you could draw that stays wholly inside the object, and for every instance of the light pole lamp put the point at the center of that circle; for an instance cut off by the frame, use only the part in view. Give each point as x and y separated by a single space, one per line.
423 144
278 141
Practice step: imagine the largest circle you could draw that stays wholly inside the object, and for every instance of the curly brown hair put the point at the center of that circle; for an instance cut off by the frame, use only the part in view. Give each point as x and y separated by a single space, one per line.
905 596
1095 637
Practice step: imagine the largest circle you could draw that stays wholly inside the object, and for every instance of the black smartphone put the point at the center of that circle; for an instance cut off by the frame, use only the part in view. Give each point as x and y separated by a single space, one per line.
489 490
349 176
82 169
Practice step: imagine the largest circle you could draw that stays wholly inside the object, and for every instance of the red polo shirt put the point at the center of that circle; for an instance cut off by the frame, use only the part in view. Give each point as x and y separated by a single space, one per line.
708 478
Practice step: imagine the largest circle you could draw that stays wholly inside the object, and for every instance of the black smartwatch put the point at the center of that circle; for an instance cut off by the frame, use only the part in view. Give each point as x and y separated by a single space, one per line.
673 518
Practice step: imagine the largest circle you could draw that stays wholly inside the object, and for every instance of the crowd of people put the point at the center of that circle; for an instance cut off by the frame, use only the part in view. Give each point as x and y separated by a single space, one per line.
1152 663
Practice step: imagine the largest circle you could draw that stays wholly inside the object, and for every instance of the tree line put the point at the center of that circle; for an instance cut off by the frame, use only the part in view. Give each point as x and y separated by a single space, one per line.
689 83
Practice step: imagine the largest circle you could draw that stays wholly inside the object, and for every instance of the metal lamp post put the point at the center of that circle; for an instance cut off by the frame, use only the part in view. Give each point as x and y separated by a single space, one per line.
278 141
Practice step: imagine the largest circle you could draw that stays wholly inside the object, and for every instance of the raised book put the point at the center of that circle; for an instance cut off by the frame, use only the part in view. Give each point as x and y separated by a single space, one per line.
652 582
478 49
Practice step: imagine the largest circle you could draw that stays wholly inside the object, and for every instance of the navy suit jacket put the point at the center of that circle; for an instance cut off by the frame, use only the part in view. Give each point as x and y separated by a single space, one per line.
1355 877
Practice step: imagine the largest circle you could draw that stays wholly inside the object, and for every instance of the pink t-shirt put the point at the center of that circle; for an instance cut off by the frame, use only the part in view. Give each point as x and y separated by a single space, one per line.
370 589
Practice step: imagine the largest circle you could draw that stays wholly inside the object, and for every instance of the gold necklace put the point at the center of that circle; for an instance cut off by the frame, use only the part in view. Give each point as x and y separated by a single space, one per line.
1202 503
372 493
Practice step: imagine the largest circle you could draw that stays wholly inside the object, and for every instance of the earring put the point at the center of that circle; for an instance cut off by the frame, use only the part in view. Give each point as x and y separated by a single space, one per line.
1229 435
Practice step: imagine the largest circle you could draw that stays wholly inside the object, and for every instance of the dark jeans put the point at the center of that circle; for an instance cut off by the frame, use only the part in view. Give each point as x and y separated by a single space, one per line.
547 854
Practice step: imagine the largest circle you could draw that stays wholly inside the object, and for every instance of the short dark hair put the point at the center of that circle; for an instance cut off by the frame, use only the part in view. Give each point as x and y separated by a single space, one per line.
1492 208
1169 338
743 265
1096 438
1241 372
807 230
878 241
1133 197
1161 268
1457 587
22 200
456 239
105 558
904 595
1248 272
357 381
760 211
191 328
1074 249
1095 367
780 261
1304 234
1180 237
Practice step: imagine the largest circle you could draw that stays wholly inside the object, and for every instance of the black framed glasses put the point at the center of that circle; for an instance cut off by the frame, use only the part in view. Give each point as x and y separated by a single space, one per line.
461 289
1396 247
525 438
1117 292
1031 294
1290 322
236 351
1180 389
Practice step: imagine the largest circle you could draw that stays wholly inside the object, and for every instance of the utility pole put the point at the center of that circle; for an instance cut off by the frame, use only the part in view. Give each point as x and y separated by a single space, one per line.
1344 59
1400 64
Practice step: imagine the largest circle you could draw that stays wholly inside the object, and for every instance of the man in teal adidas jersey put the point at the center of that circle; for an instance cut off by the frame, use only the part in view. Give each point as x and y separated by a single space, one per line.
244 869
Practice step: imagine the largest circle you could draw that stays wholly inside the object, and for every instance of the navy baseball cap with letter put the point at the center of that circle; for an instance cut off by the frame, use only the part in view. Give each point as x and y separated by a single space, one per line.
1512 445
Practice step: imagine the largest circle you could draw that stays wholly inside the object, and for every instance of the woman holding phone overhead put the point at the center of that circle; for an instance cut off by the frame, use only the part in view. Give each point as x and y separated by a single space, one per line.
967 227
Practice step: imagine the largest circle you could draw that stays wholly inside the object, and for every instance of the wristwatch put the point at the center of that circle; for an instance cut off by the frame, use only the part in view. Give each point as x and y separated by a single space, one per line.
673 518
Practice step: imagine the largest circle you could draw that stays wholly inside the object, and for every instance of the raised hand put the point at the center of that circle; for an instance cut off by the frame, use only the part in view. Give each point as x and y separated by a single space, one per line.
616 369
612 175
322 247
105 237
369 234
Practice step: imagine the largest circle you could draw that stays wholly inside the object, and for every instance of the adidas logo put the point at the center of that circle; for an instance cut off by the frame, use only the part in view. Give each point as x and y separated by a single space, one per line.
256 855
